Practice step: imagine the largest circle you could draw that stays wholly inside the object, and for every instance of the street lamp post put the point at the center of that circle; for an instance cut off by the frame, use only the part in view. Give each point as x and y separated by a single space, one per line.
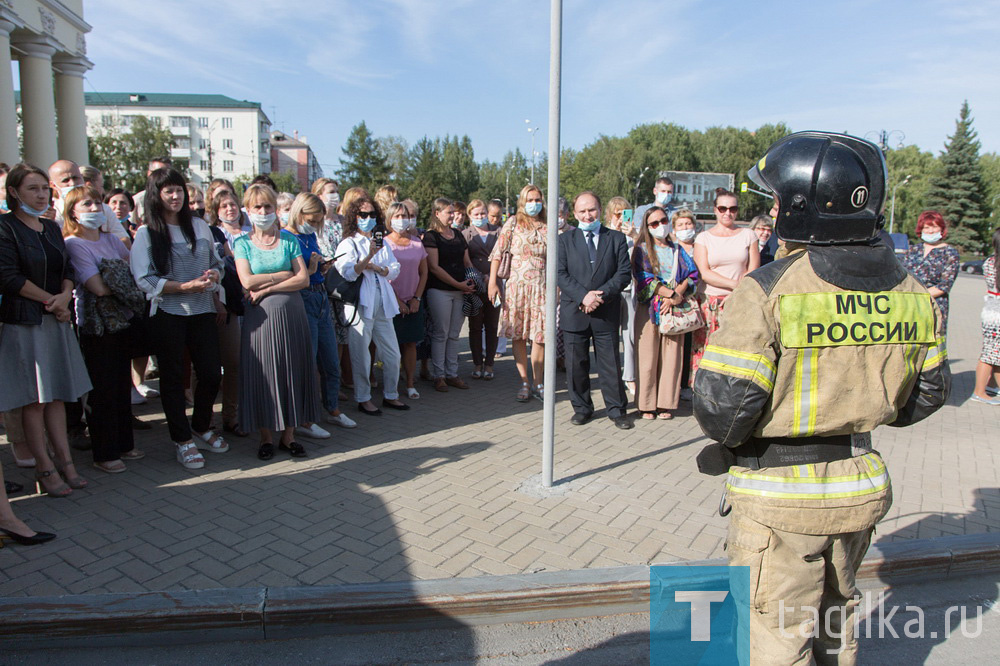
506 198
892 208
532 133
884 136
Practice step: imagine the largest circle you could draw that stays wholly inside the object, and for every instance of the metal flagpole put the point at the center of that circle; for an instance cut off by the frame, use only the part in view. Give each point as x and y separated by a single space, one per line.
555 85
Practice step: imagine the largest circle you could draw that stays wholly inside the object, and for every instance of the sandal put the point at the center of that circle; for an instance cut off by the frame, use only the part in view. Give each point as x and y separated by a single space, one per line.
189 457
235 429
62 490
211 441
524 394
540 392
294 449
77 482
266 451
648 416
134 454
111 466
477 373
487 375
412 393
664 416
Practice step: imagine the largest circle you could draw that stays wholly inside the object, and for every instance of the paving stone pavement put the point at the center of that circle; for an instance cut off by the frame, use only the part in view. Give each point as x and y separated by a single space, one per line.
451 488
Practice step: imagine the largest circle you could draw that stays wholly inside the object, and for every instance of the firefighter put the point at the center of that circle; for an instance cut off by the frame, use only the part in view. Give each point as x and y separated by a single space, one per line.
814 352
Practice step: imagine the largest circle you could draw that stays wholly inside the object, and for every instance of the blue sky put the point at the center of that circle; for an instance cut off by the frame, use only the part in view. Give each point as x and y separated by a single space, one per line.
436 67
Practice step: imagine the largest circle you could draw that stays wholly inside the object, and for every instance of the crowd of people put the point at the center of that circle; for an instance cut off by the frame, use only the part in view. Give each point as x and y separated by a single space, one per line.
291 305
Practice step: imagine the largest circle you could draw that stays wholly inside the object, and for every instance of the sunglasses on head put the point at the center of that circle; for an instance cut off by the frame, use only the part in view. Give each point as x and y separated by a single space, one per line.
730 209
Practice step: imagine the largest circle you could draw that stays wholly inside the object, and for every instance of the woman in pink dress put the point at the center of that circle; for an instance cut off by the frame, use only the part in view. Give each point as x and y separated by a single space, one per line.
724 254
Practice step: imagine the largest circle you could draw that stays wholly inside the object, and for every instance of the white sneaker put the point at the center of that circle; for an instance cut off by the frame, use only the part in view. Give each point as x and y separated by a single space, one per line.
342 420
188 456
147 391
313 431
137 398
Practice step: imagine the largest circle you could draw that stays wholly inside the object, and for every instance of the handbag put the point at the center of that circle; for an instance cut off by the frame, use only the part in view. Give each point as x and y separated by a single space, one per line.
506 259
684 317
342 291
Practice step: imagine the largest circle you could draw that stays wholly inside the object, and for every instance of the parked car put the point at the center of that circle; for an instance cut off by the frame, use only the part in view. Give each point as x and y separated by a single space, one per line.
973 267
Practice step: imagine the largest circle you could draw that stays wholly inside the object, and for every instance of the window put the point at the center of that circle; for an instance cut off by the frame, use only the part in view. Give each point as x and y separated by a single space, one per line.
107 120
183 142
180 121
227 144
203 122
202 144
156 121
227 123
264 125
203 165
227 166
127 121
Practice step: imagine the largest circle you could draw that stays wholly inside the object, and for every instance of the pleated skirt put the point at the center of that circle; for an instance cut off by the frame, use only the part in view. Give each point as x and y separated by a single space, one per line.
279 381
40 363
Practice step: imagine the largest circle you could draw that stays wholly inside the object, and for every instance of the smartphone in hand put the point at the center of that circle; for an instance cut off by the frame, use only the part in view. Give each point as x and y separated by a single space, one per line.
378 237
627 215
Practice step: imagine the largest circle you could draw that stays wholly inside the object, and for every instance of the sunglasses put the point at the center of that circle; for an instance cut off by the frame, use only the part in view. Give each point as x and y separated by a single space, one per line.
652 224
730 209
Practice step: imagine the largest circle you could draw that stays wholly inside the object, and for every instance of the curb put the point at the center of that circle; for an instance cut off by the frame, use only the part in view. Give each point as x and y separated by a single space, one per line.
256 613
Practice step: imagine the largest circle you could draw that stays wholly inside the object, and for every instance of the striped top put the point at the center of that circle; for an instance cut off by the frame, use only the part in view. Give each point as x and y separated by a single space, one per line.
185 265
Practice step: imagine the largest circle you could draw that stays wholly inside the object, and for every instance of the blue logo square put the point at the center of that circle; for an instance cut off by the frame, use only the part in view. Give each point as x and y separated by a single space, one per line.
692 614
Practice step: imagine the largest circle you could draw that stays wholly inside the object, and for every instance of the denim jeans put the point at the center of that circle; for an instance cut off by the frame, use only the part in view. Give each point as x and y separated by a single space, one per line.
324 342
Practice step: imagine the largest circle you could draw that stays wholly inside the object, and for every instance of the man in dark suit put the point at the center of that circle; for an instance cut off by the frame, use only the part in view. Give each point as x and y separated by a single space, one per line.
594 269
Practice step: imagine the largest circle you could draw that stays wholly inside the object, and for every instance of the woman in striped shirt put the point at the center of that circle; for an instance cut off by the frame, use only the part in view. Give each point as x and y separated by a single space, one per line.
174 261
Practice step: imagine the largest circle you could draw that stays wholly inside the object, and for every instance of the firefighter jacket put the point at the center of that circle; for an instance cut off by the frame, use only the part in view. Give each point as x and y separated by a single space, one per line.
827 341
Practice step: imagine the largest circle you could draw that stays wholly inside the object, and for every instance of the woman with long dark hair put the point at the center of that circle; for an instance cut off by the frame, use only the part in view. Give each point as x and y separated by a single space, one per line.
174 261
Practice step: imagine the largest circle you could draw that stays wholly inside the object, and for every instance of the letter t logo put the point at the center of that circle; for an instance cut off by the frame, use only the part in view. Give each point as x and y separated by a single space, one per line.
701 610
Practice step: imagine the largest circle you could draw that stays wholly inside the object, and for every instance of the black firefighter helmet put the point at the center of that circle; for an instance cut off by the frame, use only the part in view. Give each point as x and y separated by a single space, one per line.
830 187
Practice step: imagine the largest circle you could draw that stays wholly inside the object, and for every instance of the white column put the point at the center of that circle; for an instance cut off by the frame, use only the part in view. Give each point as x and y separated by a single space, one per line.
9 151
70 107
38 108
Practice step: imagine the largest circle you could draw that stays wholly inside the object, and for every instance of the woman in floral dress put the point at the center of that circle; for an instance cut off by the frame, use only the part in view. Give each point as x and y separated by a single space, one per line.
523 317
988 366
934 262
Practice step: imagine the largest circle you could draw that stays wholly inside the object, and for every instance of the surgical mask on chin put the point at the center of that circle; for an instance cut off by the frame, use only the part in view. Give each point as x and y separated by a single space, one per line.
306 229
663 198
262 222
761 244
31 211
660 233
685 235
931 238
366 224
533 208
233 220
91 220
456 225
480 222
589 226
400 225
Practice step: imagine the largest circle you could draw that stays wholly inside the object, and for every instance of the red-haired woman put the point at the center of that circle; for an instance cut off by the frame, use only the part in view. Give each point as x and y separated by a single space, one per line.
934 262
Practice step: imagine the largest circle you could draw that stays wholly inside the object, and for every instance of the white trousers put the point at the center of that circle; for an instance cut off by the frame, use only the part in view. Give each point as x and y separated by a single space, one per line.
364 331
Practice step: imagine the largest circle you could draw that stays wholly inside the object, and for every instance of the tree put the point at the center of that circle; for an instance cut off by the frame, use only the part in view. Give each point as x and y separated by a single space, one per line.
285 181
989 164
363 164
459 171
424 175
911 199
123 157
957 192
396 152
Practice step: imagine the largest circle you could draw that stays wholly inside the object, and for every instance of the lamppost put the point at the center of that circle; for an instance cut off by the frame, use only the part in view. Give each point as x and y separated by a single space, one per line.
892 208
532 133
506 198
883 138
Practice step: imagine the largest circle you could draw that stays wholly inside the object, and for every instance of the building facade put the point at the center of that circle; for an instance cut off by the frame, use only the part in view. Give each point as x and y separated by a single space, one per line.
293 154
48 39
218 136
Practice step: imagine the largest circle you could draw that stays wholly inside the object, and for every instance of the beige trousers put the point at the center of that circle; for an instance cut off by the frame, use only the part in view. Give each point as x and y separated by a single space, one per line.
658 364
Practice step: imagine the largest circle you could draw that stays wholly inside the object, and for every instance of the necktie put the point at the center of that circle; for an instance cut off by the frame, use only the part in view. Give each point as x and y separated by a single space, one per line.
592 246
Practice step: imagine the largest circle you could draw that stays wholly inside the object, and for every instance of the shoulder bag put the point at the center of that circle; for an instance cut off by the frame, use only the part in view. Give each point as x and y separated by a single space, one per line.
684 317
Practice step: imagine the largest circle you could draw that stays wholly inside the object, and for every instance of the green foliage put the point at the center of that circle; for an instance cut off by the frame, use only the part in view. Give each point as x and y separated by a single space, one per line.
396 152
285 181
124 156
958 191
424 175
363 164
989 166
911 199
459 171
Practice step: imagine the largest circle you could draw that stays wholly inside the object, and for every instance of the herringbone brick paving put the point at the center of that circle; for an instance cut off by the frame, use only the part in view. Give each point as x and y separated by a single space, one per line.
451 489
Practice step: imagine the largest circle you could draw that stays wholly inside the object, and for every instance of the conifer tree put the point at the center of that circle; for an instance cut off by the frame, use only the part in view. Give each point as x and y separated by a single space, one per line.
957 192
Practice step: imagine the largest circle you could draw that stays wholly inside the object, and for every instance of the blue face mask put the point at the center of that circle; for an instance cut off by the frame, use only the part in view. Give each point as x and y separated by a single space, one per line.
31 211
931 238
663 198
533 208
366 224
481 222
589 226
